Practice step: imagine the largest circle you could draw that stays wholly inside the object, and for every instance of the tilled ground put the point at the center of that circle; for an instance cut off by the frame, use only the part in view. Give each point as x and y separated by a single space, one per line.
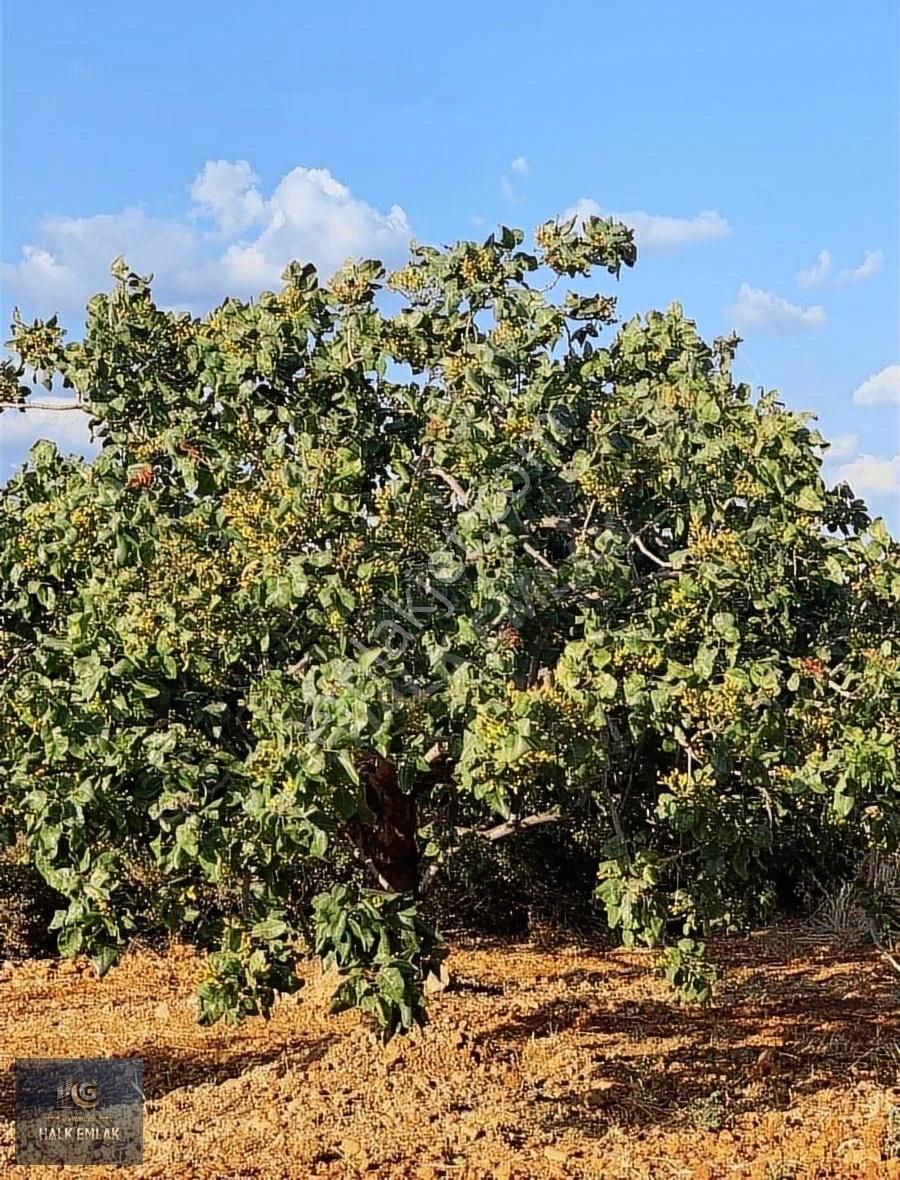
537 1063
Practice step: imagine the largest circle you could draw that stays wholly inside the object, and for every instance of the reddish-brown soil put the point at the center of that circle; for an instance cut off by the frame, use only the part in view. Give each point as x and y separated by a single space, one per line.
537 1063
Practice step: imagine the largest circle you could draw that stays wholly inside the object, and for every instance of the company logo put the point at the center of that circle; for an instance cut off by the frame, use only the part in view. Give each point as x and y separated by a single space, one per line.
86 1110
84 1095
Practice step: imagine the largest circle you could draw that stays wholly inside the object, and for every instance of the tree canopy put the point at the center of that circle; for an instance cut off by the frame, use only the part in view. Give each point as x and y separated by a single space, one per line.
384 561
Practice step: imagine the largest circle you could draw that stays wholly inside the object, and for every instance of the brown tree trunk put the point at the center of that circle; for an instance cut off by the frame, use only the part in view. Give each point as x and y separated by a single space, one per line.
390 840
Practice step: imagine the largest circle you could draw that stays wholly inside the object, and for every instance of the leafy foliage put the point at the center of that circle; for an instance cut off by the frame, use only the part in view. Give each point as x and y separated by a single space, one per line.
343 577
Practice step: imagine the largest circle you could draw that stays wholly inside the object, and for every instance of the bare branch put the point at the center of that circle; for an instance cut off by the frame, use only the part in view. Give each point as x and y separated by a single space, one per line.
496 833
358 853
530 549
639 544
562 523
43 406
435 752
453 484
517 825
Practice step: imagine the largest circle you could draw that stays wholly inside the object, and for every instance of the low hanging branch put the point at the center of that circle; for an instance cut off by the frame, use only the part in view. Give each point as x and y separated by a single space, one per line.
43 406
498 832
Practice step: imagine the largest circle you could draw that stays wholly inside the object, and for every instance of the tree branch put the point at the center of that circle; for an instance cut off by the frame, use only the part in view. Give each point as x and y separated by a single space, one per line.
453 484
498 832
43 406
538 556
639 544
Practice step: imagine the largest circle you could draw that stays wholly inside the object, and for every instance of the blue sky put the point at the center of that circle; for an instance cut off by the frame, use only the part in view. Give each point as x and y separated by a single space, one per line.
754 148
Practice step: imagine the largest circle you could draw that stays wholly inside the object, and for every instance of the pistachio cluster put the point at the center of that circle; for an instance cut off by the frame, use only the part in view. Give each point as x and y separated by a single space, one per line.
600 488
679 783
747 486
517 425
479 266
407 345
723 545
646 659
407 520
35 531
350 287
453 368
508 335
85 520
413 281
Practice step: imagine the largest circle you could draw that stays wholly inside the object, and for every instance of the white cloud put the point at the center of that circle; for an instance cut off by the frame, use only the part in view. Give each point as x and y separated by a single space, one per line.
872 475
763 309
67 428
228 191
653 230
520 166
873 261
842 446
509 193
881 389
822 270
818 273
232 240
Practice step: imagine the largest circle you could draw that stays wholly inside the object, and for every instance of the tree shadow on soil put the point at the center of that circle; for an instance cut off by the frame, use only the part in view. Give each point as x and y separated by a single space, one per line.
167 1068
775 1035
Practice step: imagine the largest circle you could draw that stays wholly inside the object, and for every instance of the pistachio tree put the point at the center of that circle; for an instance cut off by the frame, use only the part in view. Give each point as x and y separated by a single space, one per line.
402 559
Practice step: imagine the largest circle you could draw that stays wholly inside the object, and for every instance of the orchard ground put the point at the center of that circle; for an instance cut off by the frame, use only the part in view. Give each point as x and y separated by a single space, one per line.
538 1062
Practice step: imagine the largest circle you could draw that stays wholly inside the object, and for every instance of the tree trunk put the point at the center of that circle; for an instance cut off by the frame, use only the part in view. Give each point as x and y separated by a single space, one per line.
390 841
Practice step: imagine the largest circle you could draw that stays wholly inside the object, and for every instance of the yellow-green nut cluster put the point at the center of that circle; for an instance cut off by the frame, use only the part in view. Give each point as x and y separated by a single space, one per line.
725 703
349 287
33 531
817 725
564 710
453 368
724 545
489 729
647 659
544 235
594 484
85 520
672 396
517 425
533 759
264 761
410 280
679 783
150 449
407 346
248 514
216 330
479 266
293 301
693 700
508 334
746 486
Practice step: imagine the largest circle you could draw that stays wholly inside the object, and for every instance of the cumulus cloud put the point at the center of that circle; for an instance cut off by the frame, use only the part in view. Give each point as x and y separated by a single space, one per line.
233 239
842 446
652 230
763 309
520 166
818 273
881 389
872 475
873 261
821 272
